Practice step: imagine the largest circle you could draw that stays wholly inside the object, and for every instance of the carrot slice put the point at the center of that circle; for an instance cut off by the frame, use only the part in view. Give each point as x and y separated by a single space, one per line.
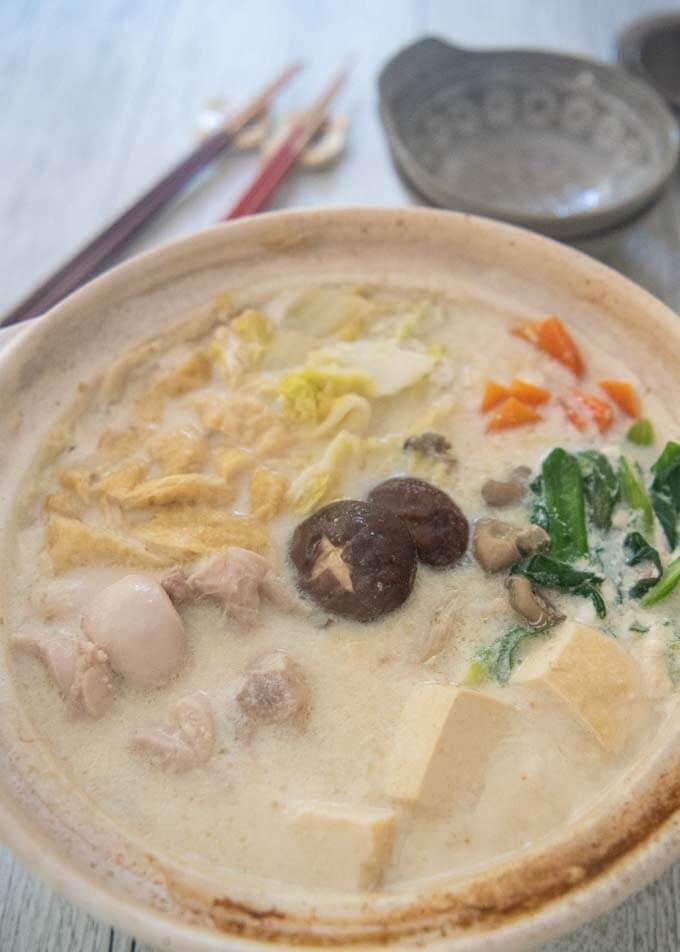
552 337
582 408
512 412
529 392
494 394
624 396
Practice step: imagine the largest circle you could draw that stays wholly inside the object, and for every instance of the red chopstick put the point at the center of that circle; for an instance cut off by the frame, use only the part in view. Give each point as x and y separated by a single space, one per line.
86 263
275 168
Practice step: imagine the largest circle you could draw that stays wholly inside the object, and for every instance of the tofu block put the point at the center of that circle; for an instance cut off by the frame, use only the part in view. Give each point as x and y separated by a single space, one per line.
442 745
593 677
342 846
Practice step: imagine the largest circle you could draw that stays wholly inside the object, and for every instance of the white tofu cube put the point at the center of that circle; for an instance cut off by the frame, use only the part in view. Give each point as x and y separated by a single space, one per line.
342 846
442 745
593 677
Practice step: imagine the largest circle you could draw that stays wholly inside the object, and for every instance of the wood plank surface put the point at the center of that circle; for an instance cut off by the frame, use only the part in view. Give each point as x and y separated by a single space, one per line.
98 97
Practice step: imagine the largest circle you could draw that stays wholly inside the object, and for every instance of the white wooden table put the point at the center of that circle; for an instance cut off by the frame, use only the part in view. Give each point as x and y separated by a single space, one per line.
97 97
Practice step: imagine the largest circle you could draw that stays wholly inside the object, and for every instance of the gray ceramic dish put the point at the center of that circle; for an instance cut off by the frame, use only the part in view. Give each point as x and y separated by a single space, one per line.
563 145
650 48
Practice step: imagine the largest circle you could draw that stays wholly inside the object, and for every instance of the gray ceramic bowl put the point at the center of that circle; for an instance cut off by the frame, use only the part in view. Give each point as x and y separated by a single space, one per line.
650 48
559 144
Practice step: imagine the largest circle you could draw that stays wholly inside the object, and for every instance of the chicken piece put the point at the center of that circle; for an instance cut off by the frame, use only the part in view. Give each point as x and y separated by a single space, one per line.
92 689
190 743
233 576
79 669
238 579
177 587
274 690
277 592
135 622
56 649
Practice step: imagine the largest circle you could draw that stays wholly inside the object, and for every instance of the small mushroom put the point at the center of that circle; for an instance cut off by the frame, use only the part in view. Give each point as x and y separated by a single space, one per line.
499 493
520 474
531 540
433 445
438 526
354 559
494 544
533 606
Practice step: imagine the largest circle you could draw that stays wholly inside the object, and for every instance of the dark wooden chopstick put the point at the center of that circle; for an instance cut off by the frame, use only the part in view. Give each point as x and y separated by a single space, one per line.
275 167
95 255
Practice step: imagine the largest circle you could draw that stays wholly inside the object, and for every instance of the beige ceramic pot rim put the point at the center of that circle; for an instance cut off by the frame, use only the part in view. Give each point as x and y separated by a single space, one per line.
628 837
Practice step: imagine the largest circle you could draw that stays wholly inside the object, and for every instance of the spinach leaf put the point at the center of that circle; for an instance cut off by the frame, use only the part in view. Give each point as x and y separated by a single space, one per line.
537 511
635 494
601 487
636 549
665 491
550 573
665 585
667 515
667 469
498 659
565 505
641 432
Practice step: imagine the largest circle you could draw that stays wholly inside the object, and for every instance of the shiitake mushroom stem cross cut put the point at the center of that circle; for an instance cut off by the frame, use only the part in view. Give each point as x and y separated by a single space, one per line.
355 559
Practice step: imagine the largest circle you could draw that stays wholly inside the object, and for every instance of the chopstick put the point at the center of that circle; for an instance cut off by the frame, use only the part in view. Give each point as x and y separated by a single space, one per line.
91 259
275 168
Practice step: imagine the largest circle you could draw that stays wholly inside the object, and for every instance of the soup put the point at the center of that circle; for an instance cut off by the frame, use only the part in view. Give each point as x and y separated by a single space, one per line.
346 589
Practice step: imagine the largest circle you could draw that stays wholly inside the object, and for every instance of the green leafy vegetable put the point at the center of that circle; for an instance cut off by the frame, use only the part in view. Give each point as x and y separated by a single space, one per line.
550 573
635 494
639 628
565 505
537 511
498 659
641 432
665 491
665 585
636 549
601 487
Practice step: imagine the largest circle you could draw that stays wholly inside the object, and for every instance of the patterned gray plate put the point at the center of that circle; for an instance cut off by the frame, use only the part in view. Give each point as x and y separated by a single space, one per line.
564 145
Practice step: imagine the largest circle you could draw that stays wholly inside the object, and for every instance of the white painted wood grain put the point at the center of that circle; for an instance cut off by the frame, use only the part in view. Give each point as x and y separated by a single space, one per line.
97 97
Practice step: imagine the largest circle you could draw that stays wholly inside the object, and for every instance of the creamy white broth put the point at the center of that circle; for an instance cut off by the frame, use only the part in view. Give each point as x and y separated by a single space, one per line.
233 812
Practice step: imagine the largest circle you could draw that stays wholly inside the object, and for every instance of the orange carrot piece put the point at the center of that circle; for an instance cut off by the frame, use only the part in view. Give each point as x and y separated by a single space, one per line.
582 408
529 392
494 394
624 396
552 337
512 412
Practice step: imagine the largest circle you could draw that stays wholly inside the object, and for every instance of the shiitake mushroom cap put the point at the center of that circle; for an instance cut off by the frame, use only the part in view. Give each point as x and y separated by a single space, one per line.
439 528
355 559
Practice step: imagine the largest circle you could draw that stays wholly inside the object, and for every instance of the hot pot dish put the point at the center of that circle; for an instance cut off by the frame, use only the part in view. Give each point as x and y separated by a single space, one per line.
347 592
